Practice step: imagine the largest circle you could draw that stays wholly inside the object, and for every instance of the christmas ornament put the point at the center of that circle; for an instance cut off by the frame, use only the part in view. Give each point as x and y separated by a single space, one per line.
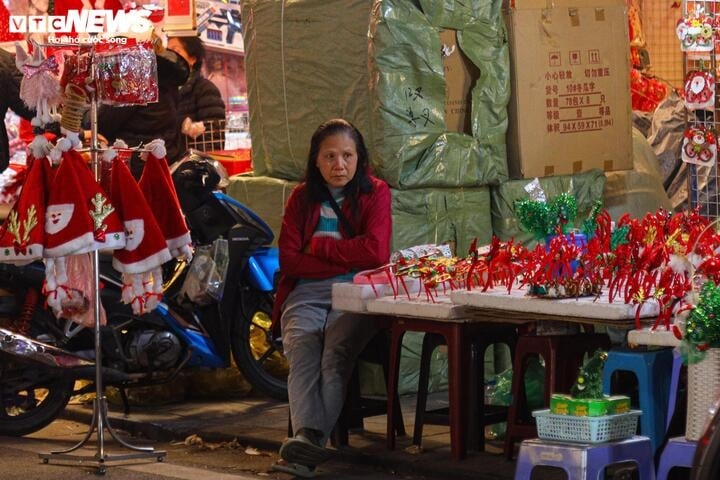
696 32
699 146
589 380
40 87
700 90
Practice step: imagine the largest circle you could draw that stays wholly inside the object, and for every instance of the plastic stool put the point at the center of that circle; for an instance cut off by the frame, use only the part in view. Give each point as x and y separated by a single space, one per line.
678 452
653 369
483 335
563 355
584 460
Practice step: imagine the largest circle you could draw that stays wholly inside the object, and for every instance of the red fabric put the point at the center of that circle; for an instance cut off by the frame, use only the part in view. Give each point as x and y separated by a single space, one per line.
25 130
5 35
332 257
62 6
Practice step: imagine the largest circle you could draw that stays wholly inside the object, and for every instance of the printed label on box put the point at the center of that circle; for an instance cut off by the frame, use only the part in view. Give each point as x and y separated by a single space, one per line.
570 108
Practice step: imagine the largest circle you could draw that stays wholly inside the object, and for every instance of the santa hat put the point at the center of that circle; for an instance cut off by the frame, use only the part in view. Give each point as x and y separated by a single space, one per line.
157 186
79 217
145 249
22 235
11 182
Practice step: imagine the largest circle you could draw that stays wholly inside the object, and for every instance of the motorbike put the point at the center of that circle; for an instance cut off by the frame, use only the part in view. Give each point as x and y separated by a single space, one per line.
42 357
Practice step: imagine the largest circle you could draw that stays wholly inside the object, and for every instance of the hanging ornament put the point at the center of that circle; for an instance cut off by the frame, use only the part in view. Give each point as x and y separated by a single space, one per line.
699 146
40 86
700 90
695 32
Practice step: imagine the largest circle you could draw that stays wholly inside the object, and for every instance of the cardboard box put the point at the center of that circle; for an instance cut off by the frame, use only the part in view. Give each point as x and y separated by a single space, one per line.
460 76
570 107
563 404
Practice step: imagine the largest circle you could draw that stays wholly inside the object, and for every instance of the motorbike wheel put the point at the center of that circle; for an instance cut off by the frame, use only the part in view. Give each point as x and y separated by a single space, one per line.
32 397
257 353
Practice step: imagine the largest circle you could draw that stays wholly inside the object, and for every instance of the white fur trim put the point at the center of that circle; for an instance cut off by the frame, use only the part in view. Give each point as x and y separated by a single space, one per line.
109 154
157 148
35 252
679 264
73 137
113 241
55 155
64 144
40 147
79 244
176 244
144 265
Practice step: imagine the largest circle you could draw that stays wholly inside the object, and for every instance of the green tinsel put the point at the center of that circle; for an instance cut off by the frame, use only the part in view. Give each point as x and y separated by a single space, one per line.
589 380
590 223
619 237
544 218
702 326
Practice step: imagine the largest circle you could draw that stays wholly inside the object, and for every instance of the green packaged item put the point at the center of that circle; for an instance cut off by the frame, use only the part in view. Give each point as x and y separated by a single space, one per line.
563 404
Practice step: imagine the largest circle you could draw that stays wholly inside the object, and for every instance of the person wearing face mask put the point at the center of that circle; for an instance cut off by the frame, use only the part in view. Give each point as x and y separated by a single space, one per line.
199 100
336 223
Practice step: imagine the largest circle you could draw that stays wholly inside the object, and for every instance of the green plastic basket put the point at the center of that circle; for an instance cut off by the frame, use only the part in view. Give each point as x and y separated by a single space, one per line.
569 428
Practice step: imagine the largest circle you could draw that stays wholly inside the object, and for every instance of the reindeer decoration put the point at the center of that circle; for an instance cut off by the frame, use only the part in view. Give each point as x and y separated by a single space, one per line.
40 86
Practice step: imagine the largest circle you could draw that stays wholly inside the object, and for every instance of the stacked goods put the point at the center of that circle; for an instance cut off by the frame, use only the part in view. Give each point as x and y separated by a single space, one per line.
639 190
265 196
424 65
388 78
570 110
437 215
425 82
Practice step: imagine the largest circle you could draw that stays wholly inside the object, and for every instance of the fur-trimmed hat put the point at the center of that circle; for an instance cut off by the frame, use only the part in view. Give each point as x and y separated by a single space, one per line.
159 191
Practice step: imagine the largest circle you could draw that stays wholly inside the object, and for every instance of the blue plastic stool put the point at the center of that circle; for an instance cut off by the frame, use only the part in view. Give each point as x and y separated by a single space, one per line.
585 461
653 372
678 452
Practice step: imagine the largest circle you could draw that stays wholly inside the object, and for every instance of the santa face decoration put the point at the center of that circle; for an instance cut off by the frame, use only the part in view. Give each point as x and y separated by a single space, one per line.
58 216
696 33
700 90
134 233
699 147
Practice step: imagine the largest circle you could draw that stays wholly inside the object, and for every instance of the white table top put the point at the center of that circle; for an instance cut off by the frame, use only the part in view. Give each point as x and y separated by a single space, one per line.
585 307
493 305
658 337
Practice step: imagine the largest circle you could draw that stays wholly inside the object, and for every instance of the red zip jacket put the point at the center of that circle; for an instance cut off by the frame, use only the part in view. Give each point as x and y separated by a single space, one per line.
370 248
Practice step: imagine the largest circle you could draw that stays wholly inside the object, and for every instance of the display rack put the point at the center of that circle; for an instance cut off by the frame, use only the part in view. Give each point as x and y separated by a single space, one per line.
703 181
100 422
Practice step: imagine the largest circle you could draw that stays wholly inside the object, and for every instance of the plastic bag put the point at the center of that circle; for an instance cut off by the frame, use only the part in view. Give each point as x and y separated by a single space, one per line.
205 280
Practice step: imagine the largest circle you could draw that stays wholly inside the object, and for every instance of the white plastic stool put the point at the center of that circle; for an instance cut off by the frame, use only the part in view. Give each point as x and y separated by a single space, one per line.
585 461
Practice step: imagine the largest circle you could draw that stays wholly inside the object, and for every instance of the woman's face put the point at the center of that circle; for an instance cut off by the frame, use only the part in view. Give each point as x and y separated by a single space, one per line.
177 46
337 159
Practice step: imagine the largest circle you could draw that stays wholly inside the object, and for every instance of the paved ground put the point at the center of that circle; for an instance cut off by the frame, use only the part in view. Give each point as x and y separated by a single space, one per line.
262 424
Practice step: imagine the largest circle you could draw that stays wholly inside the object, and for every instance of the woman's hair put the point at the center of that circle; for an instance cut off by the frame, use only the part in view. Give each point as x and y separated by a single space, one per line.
194 48
360 183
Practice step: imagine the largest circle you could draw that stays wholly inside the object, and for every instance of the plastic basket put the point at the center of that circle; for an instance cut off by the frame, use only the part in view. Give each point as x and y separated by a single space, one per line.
570 428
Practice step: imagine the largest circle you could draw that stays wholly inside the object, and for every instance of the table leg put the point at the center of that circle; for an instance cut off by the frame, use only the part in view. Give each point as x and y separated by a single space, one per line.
457 383
392 382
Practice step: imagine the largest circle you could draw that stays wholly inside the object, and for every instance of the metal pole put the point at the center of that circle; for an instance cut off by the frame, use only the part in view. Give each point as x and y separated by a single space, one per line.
99 419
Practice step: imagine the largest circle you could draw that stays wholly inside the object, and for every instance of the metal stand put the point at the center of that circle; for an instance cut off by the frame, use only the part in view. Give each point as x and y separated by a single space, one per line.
99 418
